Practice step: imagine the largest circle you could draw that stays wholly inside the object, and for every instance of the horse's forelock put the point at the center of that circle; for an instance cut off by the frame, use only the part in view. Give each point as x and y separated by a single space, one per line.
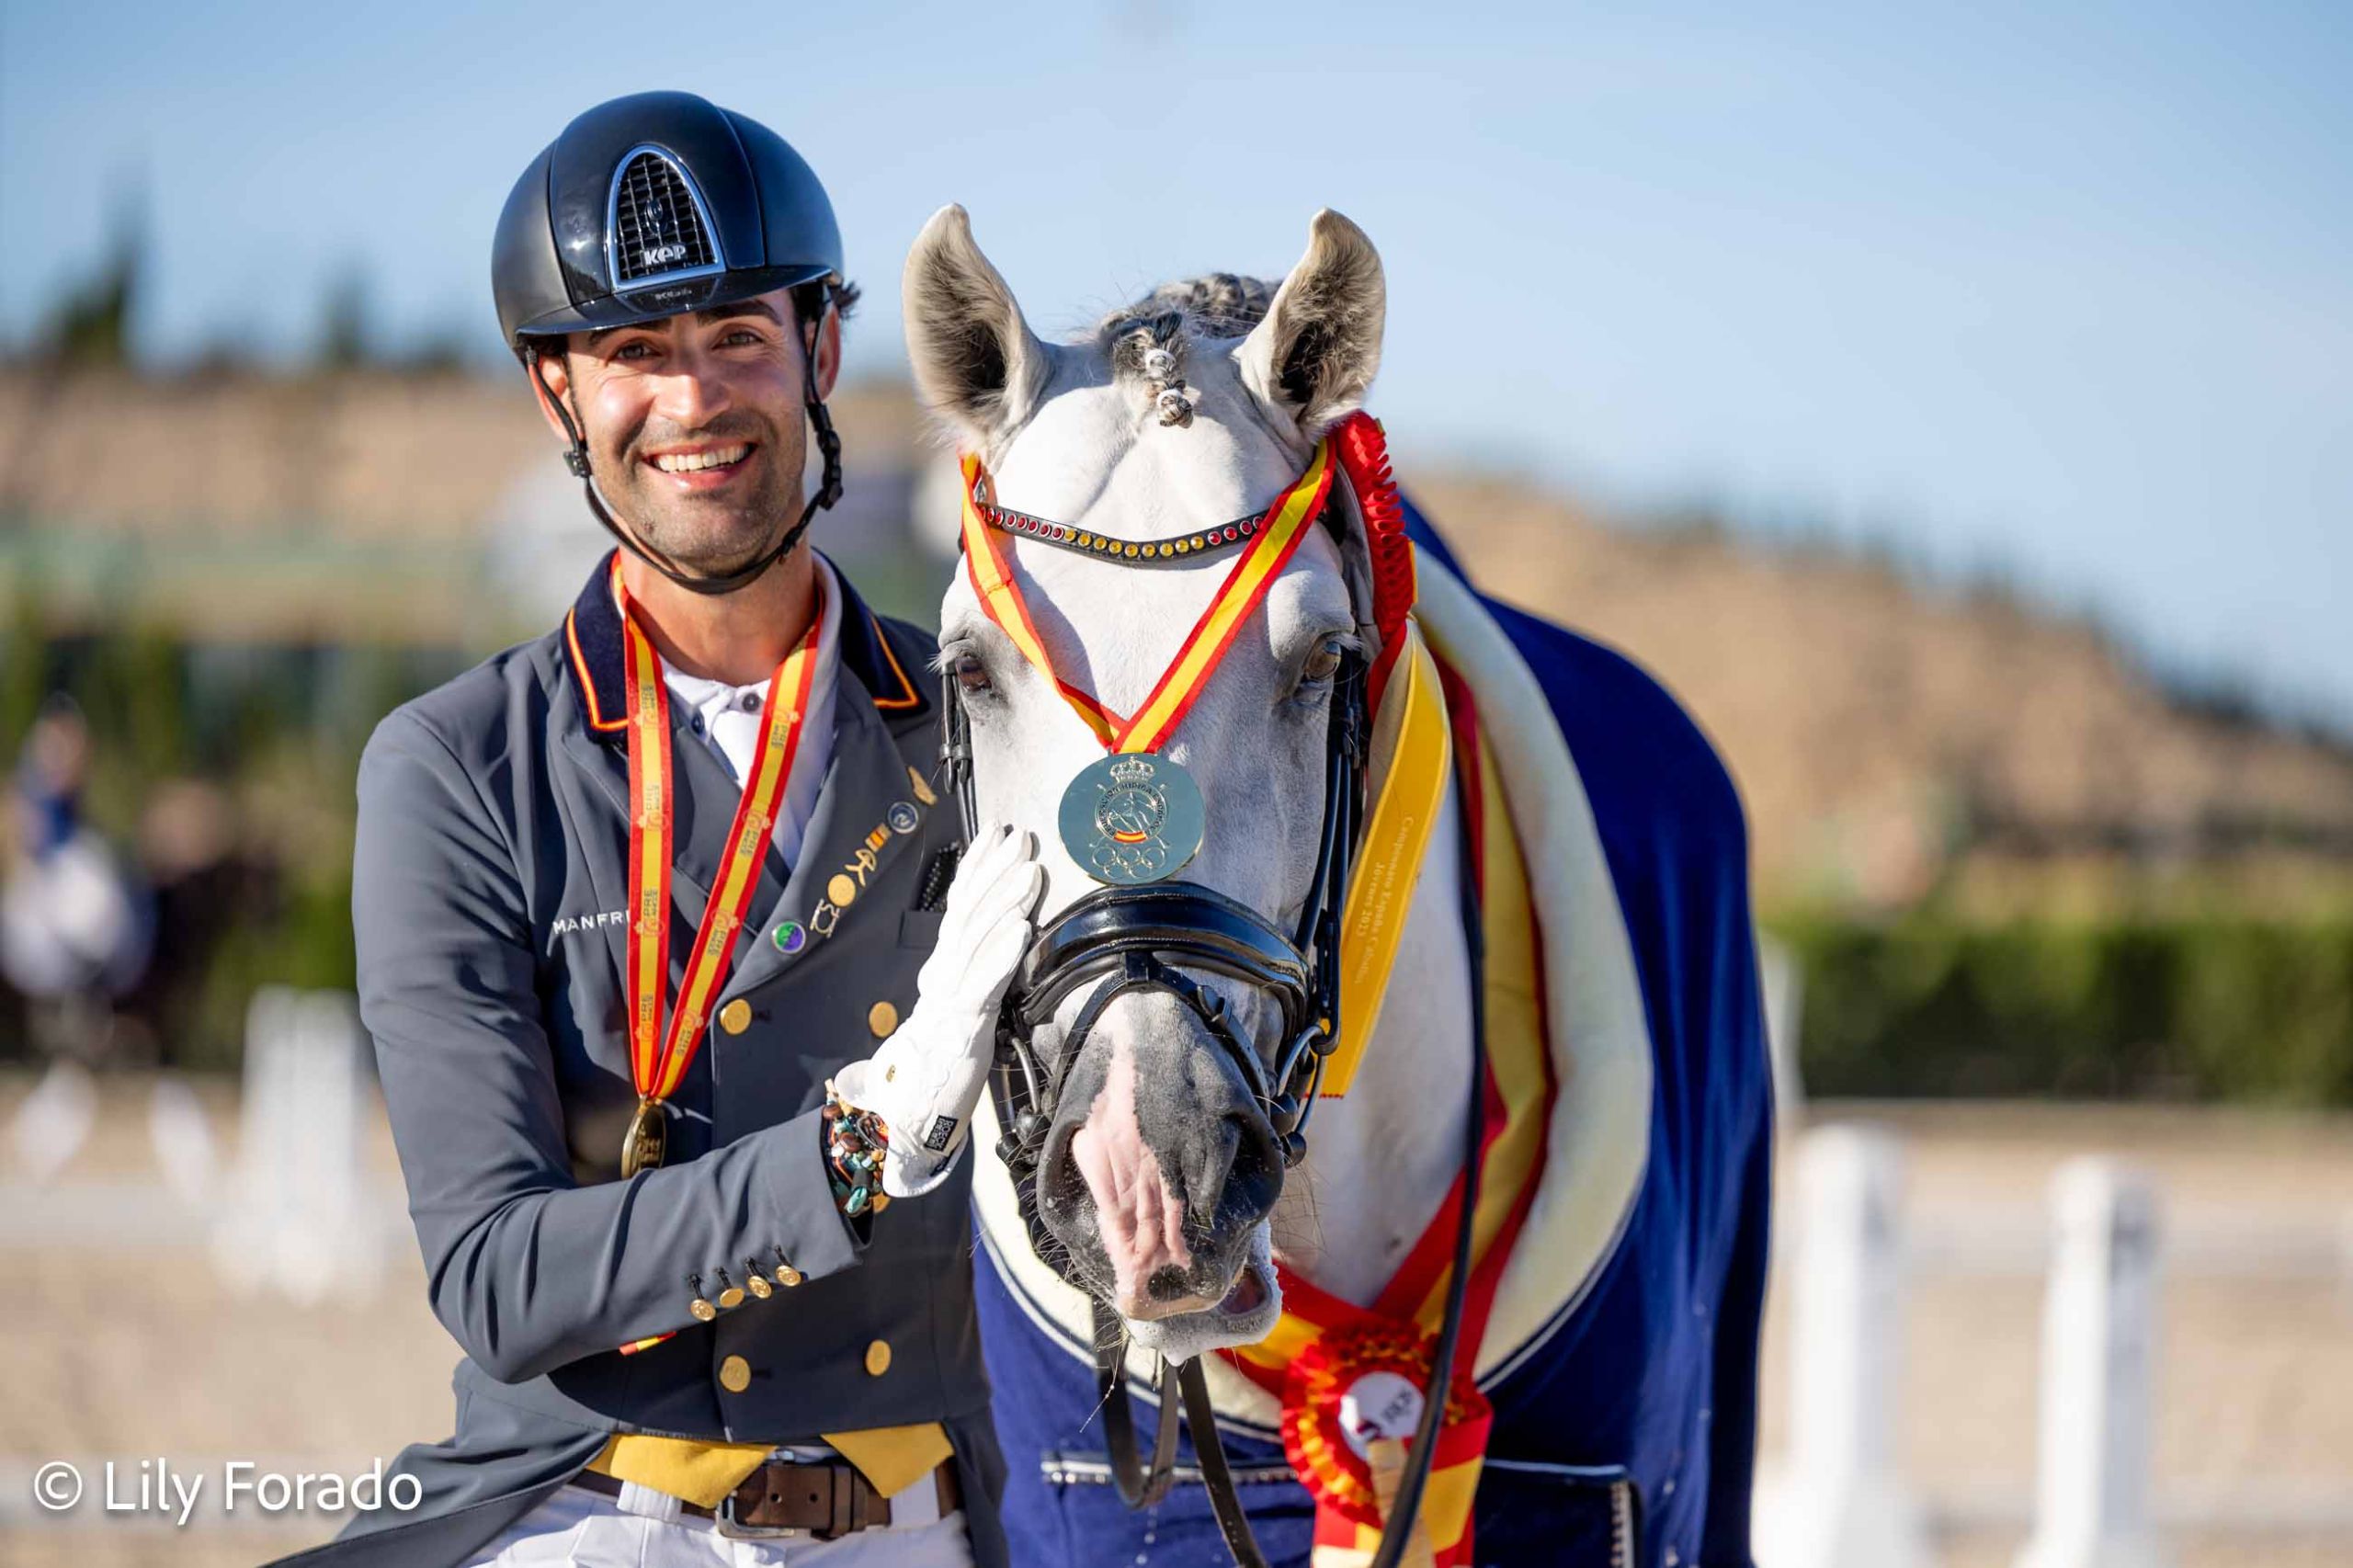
1216 304
1146 341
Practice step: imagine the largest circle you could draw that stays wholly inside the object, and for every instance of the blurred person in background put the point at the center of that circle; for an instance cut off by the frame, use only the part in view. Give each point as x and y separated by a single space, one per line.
642 912
75 934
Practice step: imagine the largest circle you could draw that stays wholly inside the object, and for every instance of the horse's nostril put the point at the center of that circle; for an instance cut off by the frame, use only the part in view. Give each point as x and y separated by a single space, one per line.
1255 1180
1168 1283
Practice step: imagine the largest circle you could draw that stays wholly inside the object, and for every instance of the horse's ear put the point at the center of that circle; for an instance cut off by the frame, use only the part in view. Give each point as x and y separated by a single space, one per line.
1319 346
977 364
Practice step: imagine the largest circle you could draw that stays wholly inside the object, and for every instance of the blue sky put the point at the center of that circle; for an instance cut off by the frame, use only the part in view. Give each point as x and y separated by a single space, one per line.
2064 290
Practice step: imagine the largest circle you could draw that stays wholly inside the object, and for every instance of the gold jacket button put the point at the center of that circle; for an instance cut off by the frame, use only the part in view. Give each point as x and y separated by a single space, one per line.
881 1018
736 1017
878 1357
735 1373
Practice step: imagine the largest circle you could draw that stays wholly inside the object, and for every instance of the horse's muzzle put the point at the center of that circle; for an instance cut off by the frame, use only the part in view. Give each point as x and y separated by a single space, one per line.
1159 1163
1213 1127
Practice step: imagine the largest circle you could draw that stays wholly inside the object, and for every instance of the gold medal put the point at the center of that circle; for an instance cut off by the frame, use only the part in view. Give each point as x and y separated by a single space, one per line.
648 1135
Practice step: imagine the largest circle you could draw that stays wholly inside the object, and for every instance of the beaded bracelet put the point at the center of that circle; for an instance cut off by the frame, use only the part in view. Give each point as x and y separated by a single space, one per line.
856 1142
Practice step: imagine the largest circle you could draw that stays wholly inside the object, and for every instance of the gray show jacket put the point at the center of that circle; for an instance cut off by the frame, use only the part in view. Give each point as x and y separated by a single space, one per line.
490 882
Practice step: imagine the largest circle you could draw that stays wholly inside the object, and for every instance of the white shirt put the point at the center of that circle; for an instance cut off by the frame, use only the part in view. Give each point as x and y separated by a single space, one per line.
728 720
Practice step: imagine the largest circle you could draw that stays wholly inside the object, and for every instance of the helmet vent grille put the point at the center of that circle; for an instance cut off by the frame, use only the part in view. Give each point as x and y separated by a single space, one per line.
659 229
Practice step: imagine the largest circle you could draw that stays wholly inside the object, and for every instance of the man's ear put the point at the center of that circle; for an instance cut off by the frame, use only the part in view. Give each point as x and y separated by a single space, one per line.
827 361
551 372
979 367
1312 357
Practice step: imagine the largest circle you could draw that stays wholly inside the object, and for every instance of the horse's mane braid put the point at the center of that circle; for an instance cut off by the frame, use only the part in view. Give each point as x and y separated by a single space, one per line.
1216 304
1146 341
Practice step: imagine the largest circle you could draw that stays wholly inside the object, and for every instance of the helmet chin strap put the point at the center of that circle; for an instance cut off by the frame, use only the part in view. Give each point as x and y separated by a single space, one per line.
829 489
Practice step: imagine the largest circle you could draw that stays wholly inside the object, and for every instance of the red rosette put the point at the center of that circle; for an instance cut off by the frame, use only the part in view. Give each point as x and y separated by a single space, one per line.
1363 450
1368 1358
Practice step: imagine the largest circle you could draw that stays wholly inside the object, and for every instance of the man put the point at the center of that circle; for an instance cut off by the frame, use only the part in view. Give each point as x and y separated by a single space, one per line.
639 910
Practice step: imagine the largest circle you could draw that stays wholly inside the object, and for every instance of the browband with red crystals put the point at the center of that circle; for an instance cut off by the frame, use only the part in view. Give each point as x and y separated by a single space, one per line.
1085 542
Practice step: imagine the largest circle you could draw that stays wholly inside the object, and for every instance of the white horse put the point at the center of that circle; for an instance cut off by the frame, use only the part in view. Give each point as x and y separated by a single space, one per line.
1156 1128
1161 1177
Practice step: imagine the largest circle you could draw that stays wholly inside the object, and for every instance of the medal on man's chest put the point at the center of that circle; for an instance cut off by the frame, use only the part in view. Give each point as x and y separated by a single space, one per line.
647 1138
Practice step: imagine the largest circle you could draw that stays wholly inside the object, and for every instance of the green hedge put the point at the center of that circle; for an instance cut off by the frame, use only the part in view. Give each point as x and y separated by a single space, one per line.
2209 1008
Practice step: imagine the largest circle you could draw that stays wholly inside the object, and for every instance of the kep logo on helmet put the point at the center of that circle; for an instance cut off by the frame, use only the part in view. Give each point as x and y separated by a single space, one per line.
656 225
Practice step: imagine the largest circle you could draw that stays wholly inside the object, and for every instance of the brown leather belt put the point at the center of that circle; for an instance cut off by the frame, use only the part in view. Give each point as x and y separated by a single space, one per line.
823 1499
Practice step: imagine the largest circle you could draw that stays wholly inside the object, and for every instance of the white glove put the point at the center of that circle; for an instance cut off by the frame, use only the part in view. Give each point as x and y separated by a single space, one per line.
925 1081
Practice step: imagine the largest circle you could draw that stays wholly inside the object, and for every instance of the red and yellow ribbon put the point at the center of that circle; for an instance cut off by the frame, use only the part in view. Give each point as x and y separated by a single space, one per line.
658 1057
990 566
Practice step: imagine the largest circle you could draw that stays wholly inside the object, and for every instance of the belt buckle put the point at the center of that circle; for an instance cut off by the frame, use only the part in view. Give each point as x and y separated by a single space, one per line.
723 1517
724 1520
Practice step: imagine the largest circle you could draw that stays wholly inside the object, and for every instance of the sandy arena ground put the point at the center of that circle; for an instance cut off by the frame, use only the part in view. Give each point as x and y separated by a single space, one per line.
124 1345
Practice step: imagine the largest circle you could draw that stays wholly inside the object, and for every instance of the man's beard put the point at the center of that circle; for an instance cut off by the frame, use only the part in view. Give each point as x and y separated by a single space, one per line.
711 536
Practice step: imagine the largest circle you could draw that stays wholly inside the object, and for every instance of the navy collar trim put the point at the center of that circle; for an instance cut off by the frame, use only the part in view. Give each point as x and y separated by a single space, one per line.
592 636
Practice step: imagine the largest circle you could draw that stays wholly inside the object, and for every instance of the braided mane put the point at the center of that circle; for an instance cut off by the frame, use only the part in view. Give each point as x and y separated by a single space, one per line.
1216 304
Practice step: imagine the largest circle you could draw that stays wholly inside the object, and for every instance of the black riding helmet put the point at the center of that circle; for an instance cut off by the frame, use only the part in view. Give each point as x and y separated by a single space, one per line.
654 205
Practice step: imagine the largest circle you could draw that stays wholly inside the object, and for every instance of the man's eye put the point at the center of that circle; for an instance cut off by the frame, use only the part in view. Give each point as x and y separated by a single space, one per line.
739 338
971 674
1323 663
633 351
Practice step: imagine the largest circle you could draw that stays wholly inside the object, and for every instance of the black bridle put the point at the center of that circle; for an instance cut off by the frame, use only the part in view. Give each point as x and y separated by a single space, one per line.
1123 939
1127 939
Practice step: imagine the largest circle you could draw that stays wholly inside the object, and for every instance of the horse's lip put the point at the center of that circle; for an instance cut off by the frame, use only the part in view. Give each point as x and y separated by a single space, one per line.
1249 1293
1225 1325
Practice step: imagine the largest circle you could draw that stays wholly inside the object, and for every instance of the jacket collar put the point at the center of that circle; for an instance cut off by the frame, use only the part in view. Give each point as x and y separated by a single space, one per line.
592 637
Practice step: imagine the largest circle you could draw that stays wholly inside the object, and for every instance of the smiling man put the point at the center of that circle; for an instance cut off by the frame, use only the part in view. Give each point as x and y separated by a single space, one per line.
675 980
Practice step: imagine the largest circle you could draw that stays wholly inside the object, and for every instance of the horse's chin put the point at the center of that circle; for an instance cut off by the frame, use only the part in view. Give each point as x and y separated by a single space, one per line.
1246 1316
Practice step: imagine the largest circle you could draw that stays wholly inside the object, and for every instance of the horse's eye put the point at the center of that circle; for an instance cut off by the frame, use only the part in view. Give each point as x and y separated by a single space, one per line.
971 674
1323 663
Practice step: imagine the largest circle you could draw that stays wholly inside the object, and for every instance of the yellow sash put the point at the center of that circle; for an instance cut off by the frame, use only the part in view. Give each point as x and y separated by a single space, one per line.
891 1457
1380 884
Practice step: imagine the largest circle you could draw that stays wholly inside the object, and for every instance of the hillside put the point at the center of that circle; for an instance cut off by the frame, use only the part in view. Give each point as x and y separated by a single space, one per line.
1885 734
1888 738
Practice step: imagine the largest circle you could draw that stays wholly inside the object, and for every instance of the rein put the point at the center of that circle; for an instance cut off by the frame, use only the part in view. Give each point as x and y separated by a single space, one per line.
1132 938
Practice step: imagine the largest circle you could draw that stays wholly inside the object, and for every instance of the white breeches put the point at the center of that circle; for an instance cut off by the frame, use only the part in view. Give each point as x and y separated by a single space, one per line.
579 1529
